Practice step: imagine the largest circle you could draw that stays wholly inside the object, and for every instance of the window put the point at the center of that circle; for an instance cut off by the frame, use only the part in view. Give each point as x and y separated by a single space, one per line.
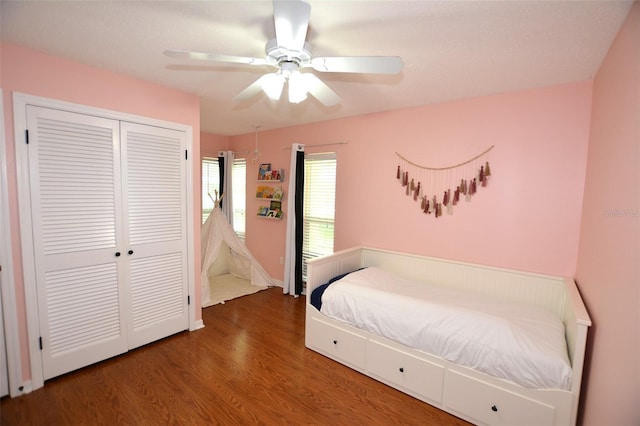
239 193
319 206
211 183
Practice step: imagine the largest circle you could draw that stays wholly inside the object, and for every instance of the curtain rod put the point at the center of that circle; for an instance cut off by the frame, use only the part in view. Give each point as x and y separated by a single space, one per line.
320 144
235 152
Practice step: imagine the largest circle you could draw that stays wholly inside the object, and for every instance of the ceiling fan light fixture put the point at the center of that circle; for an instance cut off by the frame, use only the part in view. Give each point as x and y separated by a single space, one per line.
272 85
297 87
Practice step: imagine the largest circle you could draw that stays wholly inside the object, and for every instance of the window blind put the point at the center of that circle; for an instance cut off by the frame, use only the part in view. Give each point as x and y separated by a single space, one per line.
319 206
210 184
239 191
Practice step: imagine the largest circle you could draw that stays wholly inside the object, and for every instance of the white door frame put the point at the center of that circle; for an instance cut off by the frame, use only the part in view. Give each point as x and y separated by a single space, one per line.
12 339
20 101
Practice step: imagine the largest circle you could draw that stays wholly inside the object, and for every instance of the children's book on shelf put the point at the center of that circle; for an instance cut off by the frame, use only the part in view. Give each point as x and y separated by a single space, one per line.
275 209
263 210
276 214
264 170
275 175
265 192
275 205
277 193
266 173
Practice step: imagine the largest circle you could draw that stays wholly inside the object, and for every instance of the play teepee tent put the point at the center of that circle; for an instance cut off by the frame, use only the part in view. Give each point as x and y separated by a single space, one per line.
229 270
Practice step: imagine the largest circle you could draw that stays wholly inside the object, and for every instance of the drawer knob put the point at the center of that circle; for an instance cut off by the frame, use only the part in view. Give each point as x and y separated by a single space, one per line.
401 369
494 408
335 342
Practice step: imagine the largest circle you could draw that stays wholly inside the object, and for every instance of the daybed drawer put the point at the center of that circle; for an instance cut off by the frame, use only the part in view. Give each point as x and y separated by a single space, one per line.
338 343
492 405
405 370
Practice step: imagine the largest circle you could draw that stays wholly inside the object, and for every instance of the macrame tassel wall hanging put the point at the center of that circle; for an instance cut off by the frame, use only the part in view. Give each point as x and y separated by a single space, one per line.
442 188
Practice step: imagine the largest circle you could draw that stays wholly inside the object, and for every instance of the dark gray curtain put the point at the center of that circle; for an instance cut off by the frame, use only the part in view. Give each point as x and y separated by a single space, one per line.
293 250
221 166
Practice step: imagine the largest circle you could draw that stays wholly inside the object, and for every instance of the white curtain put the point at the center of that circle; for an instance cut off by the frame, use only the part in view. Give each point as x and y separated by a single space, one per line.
293 254
227 158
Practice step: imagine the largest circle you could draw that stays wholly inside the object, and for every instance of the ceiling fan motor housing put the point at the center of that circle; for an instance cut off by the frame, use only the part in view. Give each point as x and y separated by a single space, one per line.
280 56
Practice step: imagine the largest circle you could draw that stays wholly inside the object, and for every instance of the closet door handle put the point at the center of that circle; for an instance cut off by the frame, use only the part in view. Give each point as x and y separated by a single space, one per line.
401 369
130 252
117 254
494 408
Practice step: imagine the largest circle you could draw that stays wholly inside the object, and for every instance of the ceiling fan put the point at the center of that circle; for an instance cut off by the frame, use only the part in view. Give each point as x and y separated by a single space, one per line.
289 53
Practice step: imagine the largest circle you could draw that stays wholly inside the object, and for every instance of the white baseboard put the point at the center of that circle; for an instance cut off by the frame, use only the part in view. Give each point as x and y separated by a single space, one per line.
197 326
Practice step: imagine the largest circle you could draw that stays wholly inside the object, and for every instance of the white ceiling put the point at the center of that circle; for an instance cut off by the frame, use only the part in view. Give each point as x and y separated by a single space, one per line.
451 49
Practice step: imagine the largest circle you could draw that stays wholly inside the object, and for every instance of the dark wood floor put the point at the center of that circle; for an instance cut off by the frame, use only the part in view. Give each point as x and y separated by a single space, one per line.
248 365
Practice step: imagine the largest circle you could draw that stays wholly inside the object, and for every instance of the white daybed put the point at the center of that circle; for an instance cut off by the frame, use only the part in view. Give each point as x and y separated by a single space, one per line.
462 391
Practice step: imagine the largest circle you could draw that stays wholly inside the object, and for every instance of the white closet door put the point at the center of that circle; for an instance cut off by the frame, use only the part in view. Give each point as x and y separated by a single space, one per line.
154 167
4 369
74 167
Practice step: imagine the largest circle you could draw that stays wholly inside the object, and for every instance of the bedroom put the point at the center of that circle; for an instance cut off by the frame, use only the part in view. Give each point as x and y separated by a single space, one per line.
515 223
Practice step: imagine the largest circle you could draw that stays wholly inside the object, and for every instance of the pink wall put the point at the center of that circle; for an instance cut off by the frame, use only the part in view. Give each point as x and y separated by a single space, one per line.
265 237
32 73
608 270
528 217
210 144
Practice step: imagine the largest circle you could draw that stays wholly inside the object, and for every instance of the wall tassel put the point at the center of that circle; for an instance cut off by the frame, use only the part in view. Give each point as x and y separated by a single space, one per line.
470 174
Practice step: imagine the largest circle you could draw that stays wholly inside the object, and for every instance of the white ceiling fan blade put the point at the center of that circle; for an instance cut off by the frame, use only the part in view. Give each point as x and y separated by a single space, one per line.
185 54
359 64
291 20
319 90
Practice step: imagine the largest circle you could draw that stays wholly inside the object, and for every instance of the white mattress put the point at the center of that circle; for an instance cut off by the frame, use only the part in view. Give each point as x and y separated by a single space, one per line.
521 343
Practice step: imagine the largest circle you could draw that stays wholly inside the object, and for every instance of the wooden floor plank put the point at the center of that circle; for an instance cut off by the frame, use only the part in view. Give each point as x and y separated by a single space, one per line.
248 365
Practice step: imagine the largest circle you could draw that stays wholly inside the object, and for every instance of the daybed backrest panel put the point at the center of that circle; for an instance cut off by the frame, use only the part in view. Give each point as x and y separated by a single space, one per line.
516 286
322 269
576 319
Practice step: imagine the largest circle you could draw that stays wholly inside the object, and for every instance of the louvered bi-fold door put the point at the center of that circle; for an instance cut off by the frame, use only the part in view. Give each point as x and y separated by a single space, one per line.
108 207
155 217
74 167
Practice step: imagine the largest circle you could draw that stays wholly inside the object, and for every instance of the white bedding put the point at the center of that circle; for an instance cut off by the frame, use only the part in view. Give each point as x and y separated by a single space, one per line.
520 343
